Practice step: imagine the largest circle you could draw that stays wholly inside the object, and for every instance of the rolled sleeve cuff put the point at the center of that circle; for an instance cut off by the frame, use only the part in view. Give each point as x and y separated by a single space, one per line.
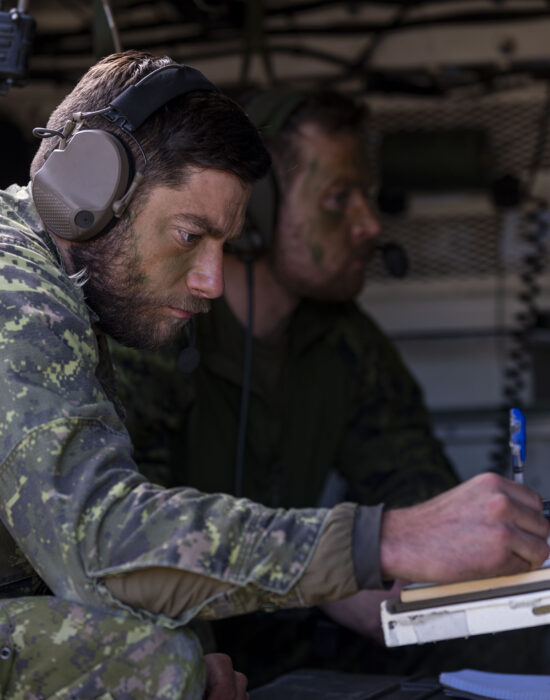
330 573
366 546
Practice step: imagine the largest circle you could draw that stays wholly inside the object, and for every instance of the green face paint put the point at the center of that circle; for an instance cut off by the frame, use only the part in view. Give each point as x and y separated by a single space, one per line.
317 253
329 218
312 168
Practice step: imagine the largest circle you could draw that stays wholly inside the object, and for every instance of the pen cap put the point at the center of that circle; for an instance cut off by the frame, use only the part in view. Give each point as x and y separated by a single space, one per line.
517 433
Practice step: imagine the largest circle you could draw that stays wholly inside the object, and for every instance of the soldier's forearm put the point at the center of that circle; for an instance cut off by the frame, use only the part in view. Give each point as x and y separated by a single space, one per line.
329 575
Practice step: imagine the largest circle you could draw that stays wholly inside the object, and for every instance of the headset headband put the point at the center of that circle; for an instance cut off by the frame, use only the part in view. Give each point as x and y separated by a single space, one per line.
138 102
269 112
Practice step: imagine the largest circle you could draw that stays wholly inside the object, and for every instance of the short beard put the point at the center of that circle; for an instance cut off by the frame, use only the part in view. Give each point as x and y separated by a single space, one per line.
340 288
115 288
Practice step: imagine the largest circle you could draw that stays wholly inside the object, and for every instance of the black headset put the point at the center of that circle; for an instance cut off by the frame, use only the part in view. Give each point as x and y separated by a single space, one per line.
268 112
88 180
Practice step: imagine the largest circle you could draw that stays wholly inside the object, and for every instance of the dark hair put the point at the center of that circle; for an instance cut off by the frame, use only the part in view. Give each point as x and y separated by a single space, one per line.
201 128
333 112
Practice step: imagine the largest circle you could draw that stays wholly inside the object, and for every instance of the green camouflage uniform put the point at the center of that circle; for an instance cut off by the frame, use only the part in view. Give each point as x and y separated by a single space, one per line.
334 395
53 648
75 509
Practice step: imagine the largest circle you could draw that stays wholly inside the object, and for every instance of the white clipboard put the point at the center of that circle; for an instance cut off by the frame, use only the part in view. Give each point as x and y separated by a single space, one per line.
409 623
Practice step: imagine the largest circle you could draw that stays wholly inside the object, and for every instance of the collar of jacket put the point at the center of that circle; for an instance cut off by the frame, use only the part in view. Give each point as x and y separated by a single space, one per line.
221 337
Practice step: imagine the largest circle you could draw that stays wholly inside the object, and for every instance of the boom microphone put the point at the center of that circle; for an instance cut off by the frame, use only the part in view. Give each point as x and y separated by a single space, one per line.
395 259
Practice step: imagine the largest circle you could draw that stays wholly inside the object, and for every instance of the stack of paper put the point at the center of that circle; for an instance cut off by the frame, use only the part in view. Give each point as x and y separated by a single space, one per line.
502 686
538 579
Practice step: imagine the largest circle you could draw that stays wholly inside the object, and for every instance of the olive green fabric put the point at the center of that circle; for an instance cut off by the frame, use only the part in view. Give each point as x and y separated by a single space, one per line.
340 398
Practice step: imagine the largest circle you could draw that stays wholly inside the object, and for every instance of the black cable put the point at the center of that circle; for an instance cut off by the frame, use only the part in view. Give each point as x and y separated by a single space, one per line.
113 29
519 354
364 61
247 370
540 144
518 362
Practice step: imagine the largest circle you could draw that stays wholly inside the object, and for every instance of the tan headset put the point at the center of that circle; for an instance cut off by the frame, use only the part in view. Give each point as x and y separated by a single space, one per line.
88 180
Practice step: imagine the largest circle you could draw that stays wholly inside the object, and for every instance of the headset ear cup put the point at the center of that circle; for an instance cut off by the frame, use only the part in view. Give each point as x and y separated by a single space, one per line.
268 111
75 189
257 233
261 214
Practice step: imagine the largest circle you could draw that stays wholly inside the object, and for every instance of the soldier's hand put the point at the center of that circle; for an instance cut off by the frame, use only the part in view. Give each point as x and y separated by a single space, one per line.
222 681
487 526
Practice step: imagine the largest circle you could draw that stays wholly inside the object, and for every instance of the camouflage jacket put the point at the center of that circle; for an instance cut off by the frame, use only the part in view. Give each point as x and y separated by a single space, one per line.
341 400
74 506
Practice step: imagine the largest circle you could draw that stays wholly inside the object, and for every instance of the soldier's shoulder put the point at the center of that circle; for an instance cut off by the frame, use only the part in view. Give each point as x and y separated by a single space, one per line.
143 361
16 204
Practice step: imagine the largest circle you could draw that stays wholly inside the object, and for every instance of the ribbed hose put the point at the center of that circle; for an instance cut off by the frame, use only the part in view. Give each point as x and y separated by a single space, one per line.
518 362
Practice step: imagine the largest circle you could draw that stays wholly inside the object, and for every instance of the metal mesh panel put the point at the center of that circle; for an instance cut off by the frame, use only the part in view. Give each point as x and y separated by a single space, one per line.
436 247
461 244
512 121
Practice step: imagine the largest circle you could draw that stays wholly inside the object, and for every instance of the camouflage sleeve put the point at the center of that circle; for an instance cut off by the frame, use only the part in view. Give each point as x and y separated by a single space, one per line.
70 493
389 453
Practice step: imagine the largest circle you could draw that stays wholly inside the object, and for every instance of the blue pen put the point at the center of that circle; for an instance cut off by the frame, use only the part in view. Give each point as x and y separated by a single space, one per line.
517 443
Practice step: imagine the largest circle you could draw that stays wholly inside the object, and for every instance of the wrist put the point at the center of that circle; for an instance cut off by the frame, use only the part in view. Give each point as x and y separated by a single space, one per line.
393 549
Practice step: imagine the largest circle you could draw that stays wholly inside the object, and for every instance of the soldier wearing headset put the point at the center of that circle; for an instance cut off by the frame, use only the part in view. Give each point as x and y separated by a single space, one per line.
142 177
299 398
